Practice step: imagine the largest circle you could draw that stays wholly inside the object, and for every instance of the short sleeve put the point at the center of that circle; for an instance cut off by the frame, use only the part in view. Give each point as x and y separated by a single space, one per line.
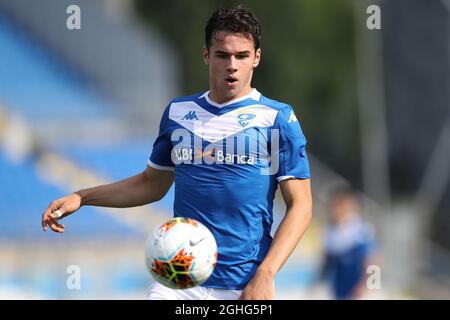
292 157
160 157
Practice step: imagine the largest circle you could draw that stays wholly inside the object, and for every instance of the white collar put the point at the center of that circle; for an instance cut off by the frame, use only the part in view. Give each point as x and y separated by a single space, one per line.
254 94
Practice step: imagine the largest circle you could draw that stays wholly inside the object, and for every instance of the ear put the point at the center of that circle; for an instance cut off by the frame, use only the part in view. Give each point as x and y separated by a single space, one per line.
206 55
257 58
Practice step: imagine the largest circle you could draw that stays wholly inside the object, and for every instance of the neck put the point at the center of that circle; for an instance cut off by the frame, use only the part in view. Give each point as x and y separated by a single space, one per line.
218 98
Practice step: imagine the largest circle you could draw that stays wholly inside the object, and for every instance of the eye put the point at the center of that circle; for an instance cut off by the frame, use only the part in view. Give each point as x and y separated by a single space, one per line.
241 56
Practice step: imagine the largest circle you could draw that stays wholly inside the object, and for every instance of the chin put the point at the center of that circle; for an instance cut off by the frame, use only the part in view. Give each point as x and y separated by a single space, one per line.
231 93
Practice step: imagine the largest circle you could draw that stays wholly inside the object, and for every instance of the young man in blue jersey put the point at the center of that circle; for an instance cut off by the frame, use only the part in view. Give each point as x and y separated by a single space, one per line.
227 150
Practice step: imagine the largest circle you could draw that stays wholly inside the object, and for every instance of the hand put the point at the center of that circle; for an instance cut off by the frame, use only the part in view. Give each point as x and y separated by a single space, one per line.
261 287
59 209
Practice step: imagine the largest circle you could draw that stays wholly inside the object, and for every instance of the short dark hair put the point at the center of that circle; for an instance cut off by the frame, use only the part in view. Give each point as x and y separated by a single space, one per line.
343 191
235 19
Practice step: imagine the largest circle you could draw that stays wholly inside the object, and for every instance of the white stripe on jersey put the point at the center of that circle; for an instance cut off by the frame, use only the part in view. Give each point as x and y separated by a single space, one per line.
214 128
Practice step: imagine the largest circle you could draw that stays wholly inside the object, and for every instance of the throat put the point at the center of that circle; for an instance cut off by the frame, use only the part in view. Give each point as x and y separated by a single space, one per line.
224 99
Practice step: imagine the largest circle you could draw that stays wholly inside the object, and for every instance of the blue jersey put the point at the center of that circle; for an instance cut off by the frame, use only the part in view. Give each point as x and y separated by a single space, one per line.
227 160
347 247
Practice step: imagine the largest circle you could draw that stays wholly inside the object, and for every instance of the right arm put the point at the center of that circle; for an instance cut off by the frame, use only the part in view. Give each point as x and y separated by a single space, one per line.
149 186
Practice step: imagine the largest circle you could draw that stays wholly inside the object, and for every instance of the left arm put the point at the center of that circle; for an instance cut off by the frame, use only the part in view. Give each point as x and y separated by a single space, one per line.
297 196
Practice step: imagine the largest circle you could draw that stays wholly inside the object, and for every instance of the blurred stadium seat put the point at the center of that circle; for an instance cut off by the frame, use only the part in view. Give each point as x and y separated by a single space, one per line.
37 84
25 196
40 88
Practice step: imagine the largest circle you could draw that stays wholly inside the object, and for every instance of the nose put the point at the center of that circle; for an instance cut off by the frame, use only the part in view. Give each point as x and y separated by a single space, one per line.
232 65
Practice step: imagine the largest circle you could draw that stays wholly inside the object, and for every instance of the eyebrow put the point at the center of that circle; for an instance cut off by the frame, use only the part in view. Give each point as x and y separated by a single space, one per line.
224 52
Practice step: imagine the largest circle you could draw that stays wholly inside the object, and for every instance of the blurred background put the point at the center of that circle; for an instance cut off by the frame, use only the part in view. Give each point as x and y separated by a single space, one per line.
81 107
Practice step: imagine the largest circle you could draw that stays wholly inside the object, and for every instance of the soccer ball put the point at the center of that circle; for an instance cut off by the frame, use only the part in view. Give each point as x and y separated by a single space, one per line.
181 253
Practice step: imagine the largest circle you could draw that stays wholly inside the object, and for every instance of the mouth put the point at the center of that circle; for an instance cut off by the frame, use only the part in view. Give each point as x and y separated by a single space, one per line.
231 80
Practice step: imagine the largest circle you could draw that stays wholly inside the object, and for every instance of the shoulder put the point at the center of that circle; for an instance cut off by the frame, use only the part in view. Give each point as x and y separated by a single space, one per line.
192 97
285 112
368 230
274 104
178 101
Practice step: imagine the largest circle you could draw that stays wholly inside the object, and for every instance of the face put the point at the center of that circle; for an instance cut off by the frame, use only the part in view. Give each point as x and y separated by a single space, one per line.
343 207
231 60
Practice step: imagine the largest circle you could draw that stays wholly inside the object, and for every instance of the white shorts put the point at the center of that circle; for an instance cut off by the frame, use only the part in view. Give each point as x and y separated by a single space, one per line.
160 292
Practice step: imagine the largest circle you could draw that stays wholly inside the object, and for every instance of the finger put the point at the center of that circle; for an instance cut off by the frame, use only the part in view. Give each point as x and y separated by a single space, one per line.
43 223
55 226
45 218
57 214
59 226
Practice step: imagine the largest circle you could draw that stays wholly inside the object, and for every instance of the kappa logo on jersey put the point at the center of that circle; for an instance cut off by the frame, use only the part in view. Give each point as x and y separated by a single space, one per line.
244 117
292 117
190 116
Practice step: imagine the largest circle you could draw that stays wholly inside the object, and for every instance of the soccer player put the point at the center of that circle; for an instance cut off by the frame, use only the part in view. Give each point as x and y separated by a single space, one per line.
227 150
349 247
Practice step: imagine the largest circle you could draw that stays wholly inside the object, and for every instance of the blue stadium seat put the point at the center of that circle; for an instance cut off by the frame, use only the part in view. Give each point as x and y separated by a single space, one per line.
41 87
24 196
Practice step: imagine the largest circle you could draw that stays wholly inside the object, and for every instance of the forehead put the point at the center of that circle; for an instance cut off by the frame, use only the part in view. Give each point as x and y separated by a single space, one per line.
230 42
344 198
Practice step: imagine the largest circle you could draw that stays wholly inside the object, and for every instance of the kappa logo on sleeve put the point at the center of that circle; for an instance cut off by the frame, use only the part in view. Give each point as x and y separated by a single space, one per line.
292 117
